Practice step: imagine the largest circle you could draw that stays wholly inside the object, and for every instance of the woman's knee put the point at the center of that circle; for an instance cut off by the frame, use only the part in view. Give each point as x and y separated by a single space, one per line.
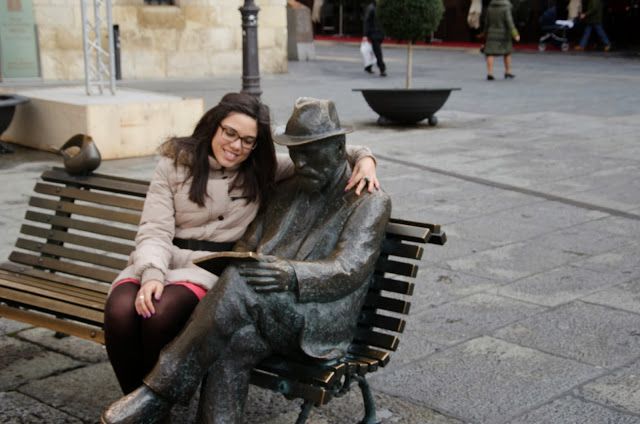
120 303
172 310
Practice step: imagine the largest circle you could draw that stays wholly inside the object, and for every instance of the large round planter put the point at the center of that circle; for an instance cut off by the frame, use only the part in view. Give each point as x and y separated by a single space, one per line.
8 103
406 105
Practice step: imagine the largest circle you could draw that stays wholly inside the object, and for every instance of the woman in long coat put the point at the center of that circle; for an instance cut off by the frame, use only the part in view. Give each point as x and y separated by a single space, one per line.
499 30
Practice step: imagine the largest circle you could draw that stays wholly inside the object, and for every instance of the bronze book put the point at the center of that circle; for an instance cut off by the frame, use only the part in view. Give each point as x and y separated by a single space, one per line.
216 262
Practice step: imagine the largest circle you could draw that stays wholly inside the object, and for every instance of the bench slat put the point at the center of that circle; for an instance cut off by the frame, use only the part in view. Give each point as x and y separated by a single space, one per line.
392 285
66 267
397 248
52 294
396 267
325 377
53 306
77 224
374 338
99 182
374 300
90 196
78 255
65 237
400 230
364 363
381 356
73 328
92 211
61 287
318 395
31 273
371 319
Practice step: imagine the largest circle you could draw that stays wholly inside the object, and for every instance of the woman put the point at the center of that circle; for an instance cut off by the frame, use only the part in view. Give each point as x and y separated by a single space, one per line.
205 191
499 30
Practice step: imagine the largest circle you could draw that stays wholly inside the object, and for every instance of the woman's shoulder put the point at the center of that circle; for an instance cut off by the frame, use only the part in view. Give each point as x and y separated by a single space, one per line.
177 150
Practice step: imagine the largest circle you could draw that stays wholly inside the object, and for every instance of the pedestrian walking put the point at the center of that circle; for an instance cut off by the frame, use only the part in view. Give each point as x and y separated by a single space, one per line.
592 18
374 33
499 31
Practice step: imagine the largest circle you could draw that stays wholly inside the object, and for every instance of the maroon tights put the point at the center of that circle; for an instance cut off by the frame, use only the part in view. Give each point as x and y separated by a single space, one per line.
133 342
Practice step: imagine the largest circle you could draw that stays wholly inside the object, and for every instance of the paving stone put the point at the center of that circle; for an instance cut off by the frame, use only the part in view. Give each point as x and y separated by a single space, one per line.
586 239
512 262
569 410
83 350
18 408
499 229
8 326
588 333
455 247
624 296
83 392
485 380
436 285
624 261
622 226
342 410
620 390
412 345
471 316
466 200
21 362
559 285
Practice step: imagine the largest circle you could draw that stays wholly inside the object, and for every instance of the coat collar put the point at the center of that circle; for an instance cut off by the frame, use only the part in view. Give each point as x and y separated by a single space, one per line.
215 165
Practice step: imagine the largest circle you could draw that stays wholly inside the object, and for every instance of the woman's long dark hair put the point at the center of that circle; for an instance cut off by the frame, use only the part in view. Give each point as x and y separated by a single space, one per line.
256 175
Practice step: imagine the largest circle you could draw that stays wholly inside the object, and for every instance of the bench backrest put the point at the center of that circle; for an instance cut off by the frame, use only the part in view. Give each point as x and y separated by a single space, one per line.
79 232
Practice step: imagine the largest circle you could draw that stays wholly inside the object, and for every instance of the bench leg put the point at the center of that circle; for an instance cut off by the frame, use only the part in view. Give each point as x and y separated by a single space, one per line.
304 413
369 401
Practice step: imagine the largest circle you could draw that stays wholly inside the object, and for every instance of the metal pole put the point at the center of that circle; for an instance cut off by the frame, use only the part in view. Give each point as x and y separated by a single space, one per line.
85 46
250 62
98 41
112 62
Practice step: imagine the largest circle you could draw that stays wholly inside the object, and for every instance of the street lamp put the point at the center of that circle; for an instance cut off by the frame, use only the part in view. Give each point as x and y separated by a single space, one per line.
250 63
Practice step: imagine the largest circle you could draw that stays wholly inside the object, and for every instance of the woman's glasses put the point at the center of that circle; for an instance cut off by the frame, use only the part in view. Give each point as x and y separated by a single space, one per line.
230 135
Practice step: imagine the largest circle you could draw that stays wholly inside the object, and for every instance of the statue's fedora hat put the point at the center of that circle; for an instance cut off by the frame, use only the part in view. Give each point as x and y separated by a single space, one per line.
311 120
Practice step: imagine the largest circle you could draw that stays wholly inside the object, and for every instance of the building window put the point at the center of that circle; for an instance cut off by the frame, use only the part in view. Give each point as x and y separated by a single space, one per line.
167 2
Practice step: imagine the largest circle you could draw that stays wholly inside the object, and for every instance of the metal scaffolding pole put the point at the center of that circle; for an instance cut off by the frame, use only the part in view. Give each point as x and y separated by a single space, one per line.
99 61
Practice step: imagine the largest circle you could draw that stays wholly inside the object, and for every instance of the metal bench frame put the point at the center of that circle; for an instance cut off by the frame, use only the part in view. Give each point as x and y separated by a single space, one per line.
79 231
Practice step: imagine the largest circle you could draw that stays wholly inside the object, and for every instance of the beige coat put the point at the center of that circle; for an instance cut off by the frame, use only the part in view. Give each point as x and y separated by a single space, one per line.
168 213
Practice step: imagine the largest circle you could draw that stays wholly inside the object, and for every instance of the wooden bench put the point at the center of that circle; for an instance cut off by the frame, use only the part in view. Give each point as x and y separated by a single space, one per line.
79 232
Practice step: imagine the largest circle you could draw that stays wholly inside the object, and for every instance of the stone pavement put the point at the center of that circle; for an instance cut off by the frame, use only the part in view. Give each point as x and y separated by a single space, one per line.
529 314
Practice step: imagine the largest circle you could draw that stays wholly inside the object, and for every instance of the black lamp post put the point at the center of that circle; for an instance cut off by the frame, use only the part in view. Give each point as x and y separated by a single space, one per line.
250 63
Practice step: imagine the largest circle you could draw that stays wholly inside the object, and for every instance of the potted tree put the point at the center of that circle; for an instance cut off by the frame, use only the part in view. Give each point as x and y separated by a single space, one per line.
408 20
8 103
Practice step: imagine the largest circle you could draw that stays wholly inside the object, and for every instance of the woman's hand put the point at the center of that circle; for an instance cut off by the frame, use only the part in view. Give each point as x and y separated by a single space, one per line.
149 291
364 173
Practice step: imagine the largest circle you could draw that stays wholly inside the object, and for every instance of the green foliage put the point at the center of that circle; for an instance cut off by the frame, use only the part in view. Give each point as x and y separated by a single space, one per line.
410 19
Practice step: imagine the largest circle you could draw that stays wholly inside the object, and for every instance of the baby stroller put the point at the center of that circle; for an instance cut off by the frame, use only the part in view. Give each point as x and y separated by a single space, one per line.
554 30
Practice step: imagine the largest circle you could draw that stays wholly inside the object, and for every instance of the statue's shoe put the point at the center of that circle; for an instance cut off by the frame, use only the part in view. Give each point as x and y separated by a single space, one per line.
142 406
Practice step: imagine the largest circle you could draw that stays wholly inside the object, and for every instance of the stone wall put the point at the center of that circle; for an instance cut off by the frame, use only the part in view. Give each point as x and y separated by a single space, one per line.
194 38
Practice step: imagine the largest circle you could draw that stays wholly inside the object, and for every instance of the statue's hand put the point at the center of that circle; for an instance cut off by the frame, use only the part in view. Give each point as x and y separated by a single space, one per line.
269 274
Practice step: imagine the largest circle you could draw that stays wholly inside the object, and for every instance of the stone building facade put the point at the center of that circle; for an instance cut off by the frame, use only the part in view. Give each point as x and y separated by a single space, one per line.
192 38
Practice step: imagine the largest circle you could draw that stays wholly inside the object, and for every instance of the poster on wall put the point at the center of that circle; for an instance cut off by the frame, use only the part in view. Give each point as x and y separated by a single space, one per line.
18 41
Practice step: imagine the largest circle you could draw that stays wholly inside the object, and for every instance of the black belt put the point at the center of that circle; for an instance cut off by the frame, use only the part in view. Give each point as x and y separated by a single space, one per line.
210 246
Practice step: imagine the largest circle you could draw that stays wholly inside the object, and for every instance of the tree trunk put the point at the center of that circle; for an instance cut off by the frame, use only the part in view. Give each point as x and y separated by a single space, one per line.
409 64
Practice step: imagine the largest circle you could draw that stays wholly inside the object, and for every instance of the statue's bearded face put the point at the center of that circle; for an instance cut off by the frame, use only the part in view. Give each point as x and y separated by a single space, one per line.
317 163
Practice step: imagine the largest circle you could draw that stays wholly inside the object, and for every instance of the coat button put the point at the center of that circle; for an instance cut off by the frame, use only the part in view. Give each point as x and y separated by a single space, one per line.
220 218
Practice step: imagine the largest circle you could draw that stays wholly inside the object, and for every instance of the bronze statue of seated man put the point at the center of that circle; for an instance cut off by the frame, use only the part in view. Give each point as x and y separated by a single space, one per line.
317 246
